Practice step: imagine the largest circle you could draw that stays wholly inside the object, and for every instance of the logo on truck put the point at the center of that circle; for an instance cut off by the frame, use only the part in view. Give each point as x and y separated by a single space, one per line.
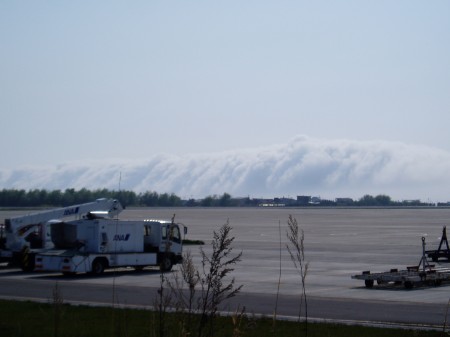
121 237
71 211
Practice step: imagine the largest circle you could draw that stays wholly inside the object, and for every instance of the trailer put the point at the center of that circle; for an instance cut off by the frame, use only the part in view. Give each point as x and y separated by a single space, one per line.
422 274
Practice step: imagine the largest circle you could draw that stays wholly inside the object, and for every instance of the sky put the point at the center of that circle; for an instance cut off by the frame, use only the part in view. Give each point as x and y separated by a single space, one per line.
128 83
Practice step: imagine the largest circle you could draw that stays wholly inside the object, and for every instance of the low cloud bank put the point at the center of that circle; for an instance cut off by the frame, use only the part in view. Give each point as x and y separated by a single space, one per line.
304 166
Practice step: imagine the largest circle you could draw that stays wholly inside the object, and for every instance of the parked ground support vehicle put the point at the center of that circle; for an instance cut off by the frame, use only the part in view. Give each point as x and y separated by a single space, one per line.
95 244
422 274
25 235
443 250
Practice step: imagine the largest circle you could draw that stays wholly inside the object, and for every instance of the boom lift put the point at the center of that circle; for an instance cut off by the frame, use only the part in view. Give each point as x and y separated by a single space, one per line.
25 235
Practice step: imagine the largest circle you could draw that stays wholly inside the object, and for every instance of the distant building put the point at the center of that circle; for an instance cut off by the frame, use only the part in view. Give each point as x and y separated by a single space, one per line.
285 201
412 201
268 203
303 200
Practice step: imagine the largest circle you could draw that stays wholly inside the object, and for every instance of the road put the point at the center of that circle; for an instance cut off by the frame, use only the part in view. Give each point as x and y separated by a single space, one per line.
101 290
338 244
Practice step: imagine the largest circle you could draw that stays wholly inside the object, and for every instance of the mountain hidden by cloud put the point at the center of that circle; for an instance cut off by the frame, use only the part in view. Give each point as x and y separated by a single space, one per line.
303 166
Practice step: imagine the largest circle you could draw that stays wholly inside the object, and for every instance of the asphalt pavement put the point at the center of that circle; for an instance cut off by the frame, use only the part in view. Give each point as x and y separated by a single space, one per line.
338 243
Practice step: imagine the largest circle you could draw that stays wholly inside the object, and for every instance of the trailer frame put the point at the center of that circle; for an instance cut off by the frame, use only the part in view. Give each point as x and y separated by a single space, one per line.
422 274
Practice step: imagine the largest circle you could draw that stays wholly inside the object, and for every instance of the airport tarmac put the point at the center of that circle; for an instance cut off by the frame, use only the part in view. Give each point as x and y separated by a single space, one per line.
338 244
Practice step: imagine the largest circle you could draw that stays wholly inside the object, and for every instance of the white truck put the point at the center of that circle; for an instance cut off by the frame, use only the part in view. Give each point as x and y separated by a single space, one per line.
95 244
25 235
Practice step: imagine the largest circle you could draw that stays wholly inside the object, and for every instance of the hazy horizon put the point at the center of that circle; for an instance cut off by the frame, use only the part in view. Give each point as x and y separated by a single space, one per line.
303 166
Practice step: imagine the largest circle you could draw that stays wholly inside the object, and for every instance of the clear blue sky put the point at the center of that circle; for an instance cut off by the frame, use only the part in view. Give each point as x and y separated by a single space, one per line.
131 79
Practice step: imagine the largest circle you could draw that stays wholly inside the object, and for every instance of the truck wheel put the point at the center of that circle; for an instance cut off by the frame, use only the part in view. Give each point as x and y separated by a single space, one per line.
98 267
166 264
409 285
368 283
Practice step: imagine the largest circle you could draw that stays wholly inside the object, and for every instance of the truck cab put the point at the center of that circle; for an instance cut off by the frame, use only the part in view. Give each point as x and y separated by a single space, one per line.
163 238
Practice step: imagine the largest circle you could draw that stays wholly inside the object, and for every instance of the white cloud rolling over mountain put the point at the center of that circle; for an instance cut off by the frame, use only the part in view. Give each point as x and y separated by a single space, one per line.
304 166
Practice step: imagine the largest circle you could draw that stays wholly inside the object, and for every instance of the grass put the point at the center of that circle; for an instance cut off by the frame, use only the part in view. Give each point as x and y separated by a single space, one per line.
39 319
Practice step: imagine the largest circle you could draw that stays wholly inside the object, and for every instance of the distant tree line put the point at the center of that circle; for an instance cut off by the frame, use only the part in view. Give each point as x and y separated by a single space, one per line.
70 196
380 200
58 198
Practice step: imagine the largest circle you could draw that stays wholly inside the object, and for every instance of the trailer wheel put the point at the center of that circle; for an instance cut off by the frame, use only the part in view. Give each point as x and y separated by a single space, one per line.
166 264
409 285
98 267
369 283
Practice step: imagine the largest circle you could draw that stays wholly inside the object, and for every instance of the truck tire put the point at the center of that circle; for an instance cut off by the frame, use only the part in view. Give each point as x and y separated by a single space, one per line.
98 266
166 264
368 283
409 285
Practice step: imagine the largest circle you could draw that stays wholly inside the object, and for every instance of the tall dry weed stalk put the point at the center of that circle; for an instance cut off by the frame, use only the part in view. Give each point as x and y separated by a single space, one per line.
162 303
203 291
164 298
444 327
237 319
57 303
183 289
216 286
296 249
275 313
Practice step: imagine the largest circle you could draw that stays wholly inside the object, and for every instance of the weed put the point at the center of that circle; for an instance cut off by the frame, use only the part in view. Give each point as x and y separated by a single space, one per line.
215 269
296 249
57 304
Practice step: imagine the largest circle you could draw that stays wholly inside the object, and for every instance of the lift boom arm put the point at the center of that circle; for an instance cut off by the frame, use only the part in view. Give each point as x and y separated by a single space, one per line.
17 229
